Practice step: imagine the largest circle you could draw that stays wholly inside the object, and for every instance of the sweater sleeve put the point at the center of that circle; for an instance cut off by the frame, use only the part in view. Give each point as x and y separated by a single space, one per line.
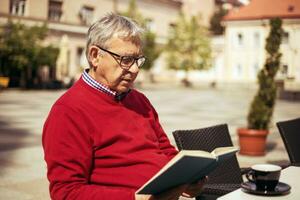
69 156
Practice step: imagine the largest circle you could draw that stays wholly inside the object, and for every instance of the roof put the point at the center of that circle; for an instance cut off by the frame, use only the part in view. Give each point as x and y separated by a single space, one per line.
174 2
232 2
266 9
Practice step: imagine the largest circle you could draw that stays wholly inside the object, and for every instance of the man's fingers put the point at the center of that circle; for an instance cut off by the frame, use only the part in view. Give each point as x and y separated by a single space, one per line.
186 195
195 189
203 180
172 194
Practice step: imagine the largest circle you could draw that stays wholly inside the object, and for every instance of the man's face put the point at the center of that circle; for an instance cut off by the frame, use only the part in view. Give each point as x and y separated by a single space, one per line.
108 70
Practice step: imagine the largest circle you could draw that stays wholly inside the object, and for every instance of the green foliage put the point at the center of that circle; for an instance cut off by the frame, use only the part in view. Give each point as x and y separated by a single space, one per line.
215 22
188 45
133 13
262 106
150 50
22 52
47 56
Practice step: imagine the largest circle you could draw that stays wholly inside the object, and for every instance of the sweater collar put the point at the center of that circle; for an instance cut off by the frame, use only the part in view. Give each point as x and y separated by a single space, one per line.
102 88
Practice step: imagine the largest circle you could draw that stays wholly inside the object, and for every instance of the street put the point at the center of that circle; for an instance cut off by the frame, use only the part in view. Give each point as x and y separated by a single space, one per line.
22 114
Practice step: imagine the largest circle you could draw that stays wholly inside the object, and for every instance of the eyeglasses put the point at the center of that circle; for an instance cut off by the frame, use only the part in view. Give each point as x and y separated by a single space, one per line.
125 62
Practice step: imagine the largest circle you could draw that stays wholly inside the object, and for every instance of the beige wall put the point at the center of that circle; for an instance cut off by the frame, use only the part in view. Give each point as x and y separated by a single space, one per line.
204 8
37 9
33 8
4 6
36 12
71 9
160 13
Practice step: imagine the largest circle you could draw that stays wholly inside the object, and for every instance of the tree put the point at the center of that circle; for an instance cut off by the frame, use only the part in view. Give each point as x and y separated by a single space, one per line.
22 52
151 50
262 106
215 22
133 13
188 46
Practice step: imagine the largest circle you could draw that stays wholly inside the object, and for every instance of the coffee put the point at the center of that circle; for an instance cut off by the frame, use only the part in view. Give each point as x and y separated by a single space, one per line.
265 176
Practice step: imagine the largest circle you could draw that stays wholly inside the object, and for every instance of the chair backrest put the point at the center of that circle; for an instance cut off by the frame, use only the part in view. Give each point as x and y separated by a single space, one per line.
290 134
208 139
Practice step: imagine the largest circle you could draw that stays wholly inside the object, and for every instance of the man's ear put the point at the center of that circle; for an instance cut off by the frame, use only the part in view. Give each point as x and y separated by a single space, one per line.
94 56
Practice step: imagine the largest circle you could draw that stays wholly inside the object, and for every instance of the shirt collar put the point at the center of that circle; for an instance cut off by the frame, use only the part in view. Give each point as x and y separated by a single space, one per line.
102 88
96 85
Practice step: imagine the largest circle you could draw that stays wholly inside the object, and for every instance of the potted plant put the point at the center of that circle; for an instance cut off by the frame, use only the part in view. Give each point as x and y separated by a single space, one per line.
4 80
253 138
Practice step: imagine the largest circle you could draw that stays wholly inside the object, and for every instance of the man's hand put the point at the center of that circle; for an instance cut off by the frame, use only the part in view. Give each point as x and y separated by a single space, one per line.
172 194
189 191
194 190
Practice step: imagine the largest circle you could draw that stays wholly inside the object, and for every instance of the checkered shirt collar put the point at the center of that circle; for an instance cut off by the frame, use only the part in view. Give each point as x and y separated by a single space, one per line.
96 85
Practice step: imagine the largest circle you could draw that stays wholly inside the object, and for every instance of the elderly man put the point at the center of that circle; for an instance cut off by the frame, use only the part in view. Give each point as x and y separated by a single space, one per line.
102 139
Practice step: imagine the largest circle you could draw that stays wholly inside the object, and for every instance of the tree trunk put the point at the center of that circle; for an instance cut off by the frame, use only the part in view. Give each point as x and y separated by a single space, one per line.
185 80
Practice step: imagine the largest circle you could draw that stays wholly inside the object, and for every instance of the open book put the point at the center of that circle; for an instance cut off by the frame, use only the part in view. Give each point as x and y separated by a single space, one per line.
188 166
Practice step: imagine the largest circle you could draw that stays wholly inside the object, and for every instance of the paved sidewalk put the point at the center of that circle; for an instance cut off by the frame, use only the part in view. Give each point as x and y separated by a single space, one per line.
22 114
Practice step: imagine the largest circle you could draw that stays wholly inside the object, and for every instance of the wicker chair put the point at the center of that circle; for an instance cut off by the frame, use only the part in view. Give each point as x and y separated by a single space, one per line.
290 134
226 177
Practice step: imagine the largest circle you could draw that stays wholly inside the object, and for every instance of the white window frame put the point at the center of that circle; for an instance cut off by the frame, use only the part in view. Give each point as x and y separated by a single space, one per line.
240 39
86 15
56 15
256 40
18 7
237 71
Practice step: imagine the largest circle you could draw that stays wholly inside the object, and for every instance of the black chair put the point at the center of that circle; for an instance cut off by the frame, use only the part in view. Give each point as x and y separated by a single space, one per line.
290 134
226 177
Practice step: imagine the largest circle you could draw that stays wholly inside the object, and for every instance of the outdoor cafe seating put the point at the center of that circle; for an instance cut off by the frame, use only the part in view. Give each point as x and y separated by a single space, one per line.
290 134
225 181
226 177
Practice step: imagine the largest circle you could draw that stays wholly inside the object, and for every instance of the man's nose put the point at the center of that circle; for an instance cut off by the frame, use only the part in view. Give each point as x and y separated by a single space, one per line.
134 68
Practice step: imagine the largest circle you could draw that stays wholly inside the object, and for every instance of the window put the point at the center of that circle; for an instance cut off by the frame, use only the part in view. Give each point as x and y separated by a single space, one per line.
17 7
240 39
172 25
55 10
254 71
81 61
256 40
237 71
284 70
79 55
86 15
150 25
285 38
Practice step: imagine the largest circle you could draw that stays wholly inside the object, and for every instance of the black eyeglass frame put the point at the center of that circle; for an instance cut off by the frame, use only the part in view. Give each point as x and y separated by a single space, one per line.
119 59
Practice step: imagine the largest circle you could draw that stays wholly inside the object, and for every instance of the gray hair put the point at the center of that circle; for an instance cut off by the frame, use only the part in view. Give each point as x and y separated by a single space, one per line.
112 25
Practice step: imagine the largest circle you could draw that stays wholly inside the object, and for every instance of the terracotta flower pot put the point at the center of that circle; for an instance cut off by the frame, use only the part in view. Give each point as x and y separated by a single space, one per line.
4 81
252 142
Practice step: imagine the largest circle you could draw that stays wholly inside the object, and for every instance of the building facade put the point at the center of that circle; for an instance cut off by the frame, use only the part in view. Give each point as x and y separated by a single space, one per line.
246 31
68 23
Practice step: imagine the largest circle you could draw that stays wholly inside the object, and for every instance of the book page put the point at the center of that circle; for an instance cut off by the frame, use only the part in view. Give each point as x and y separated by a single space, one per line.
224 151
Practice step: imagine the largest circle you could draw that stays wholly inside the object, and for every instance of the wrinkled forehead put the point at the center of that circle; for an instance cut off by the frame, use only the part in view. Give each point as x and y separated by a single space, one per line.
125 43
128 37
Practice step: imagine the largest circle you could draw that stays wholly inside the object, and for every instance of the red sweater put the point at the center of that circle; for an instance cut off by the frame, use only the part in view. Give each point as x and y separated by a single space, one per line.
97 148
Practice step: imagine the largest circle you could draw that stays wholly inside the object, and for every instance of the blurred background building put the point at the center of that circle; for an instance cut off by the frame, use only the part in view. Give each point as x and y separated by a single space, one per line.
237 47
246 30
68 23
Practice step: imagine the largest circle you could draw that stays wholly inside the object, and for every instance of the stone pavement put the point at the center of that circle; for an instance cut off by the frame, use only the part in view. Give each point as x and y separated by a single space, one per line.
22 114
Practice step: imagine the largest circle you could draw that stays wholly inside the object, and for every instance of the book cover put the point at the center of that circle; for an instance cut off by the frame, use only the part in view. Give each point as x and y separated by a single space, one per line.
188 166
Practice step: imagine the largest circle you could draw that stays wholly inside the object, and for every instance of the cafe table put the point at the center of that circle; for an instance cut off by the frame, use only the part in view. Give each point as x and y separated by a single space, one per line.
290 175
